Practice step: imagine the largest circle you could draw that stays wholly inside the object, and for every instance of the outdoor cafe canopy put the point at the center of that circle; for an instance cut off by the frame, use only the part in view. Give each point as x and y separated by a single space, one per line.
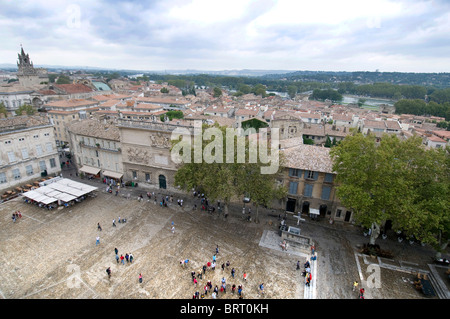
62 189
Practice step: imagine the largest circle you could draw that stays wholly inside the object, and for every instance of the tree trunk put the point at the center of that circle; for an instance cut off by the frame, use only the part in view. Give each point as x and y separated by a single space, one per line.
257 214
375 232
225 209
441 247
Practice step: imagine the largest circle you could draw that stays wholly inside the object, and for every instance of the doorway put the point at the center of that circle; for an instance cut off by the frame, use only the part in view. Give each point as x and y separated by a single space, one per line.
323 210
162 182
290 205
305 208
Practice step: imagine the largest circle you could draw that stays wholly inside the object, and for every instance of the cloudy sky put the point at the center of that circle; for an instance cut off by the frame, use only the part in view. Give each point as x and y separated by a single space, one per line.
327 35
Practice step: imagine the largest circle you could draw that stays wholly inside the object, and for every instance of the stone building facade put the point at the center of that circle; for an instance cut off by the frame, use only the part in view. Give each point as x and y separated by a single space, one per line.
96 148
146 154
310 181
28 150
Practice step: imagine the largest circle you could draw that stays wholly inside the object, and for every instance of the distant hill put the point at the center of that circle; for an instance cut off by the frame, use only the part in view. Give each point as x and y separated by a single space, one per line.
365 77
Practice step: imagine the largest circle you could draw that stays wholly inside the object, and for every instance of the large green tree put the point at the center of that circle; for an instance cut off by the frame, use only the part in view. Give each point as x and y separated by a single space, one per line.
232 172
394 180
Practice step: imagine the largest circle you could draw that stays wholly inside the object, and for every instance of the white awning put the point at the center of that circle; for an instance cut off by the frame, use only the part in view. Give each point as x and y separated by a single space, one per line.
90 170
112 174
64 189
314 211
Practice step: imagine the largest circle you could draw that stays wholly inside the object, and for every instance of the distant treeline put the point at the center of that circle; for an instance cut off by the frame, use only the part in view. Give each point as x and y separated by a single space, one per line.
422 108
438 80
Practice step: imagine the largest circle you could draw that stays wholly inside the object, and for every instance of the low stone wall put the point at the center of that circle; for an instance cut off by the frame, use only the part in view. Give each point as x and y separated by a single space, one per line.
298 241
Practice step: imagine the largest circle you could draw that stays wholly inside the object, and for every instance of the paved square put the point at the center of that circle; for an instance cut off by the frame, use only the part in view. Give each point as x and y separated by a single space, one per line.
53 254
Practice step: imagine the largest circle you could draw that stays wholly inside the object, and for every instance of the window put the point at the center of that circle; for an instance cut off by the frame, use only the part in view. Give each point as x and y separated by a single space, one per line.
42 166
308 190
11 157
311 175
328 178
52 163
29 170
2 178
21 139
38 150
49 147
338 213
147 177
326 190
293 172
7 142
35 136
16 173
24 153
293 188
134 174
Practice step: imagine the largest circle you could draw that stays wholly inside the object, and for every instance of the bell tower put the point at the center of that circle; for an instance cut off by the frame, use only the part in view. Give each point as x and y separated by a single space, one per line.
27 74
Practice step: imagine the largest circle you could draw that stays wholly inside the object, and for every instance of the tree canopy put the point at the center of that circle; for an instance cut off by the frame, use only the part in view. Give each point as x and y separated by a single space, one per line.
228 177
25 108
396 180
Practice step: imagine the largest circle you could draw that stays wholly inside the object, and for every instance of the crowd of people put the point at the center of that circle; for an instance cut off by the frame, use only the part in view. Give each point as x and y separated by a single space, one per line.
205 288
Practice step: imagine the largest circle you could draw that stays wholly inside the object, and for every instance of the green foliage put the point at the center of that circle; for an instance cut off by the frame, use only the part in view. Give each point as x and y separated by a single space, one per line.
164 90
440 96
223 179
292 91
420 107
259 89
328 142
308 141
254 123
396 180
444 124
3 109
63 79
328 94
25 108
172 114
361 102
217 92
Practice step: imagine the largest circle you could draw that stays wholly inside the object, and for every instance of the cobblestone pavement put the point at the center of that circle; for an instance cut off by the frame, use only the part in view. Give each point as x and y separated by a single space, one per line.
52 254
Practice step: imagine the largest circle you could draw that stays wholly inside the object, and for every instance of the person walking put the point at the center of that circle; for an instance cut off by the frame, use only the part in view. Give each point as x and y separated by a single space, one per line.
108 271
99 227
261 288
233 272
122 259
97 242
114 223
355 285
117 258
245 276
126 257
140 278
131 258
116 251
361 293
